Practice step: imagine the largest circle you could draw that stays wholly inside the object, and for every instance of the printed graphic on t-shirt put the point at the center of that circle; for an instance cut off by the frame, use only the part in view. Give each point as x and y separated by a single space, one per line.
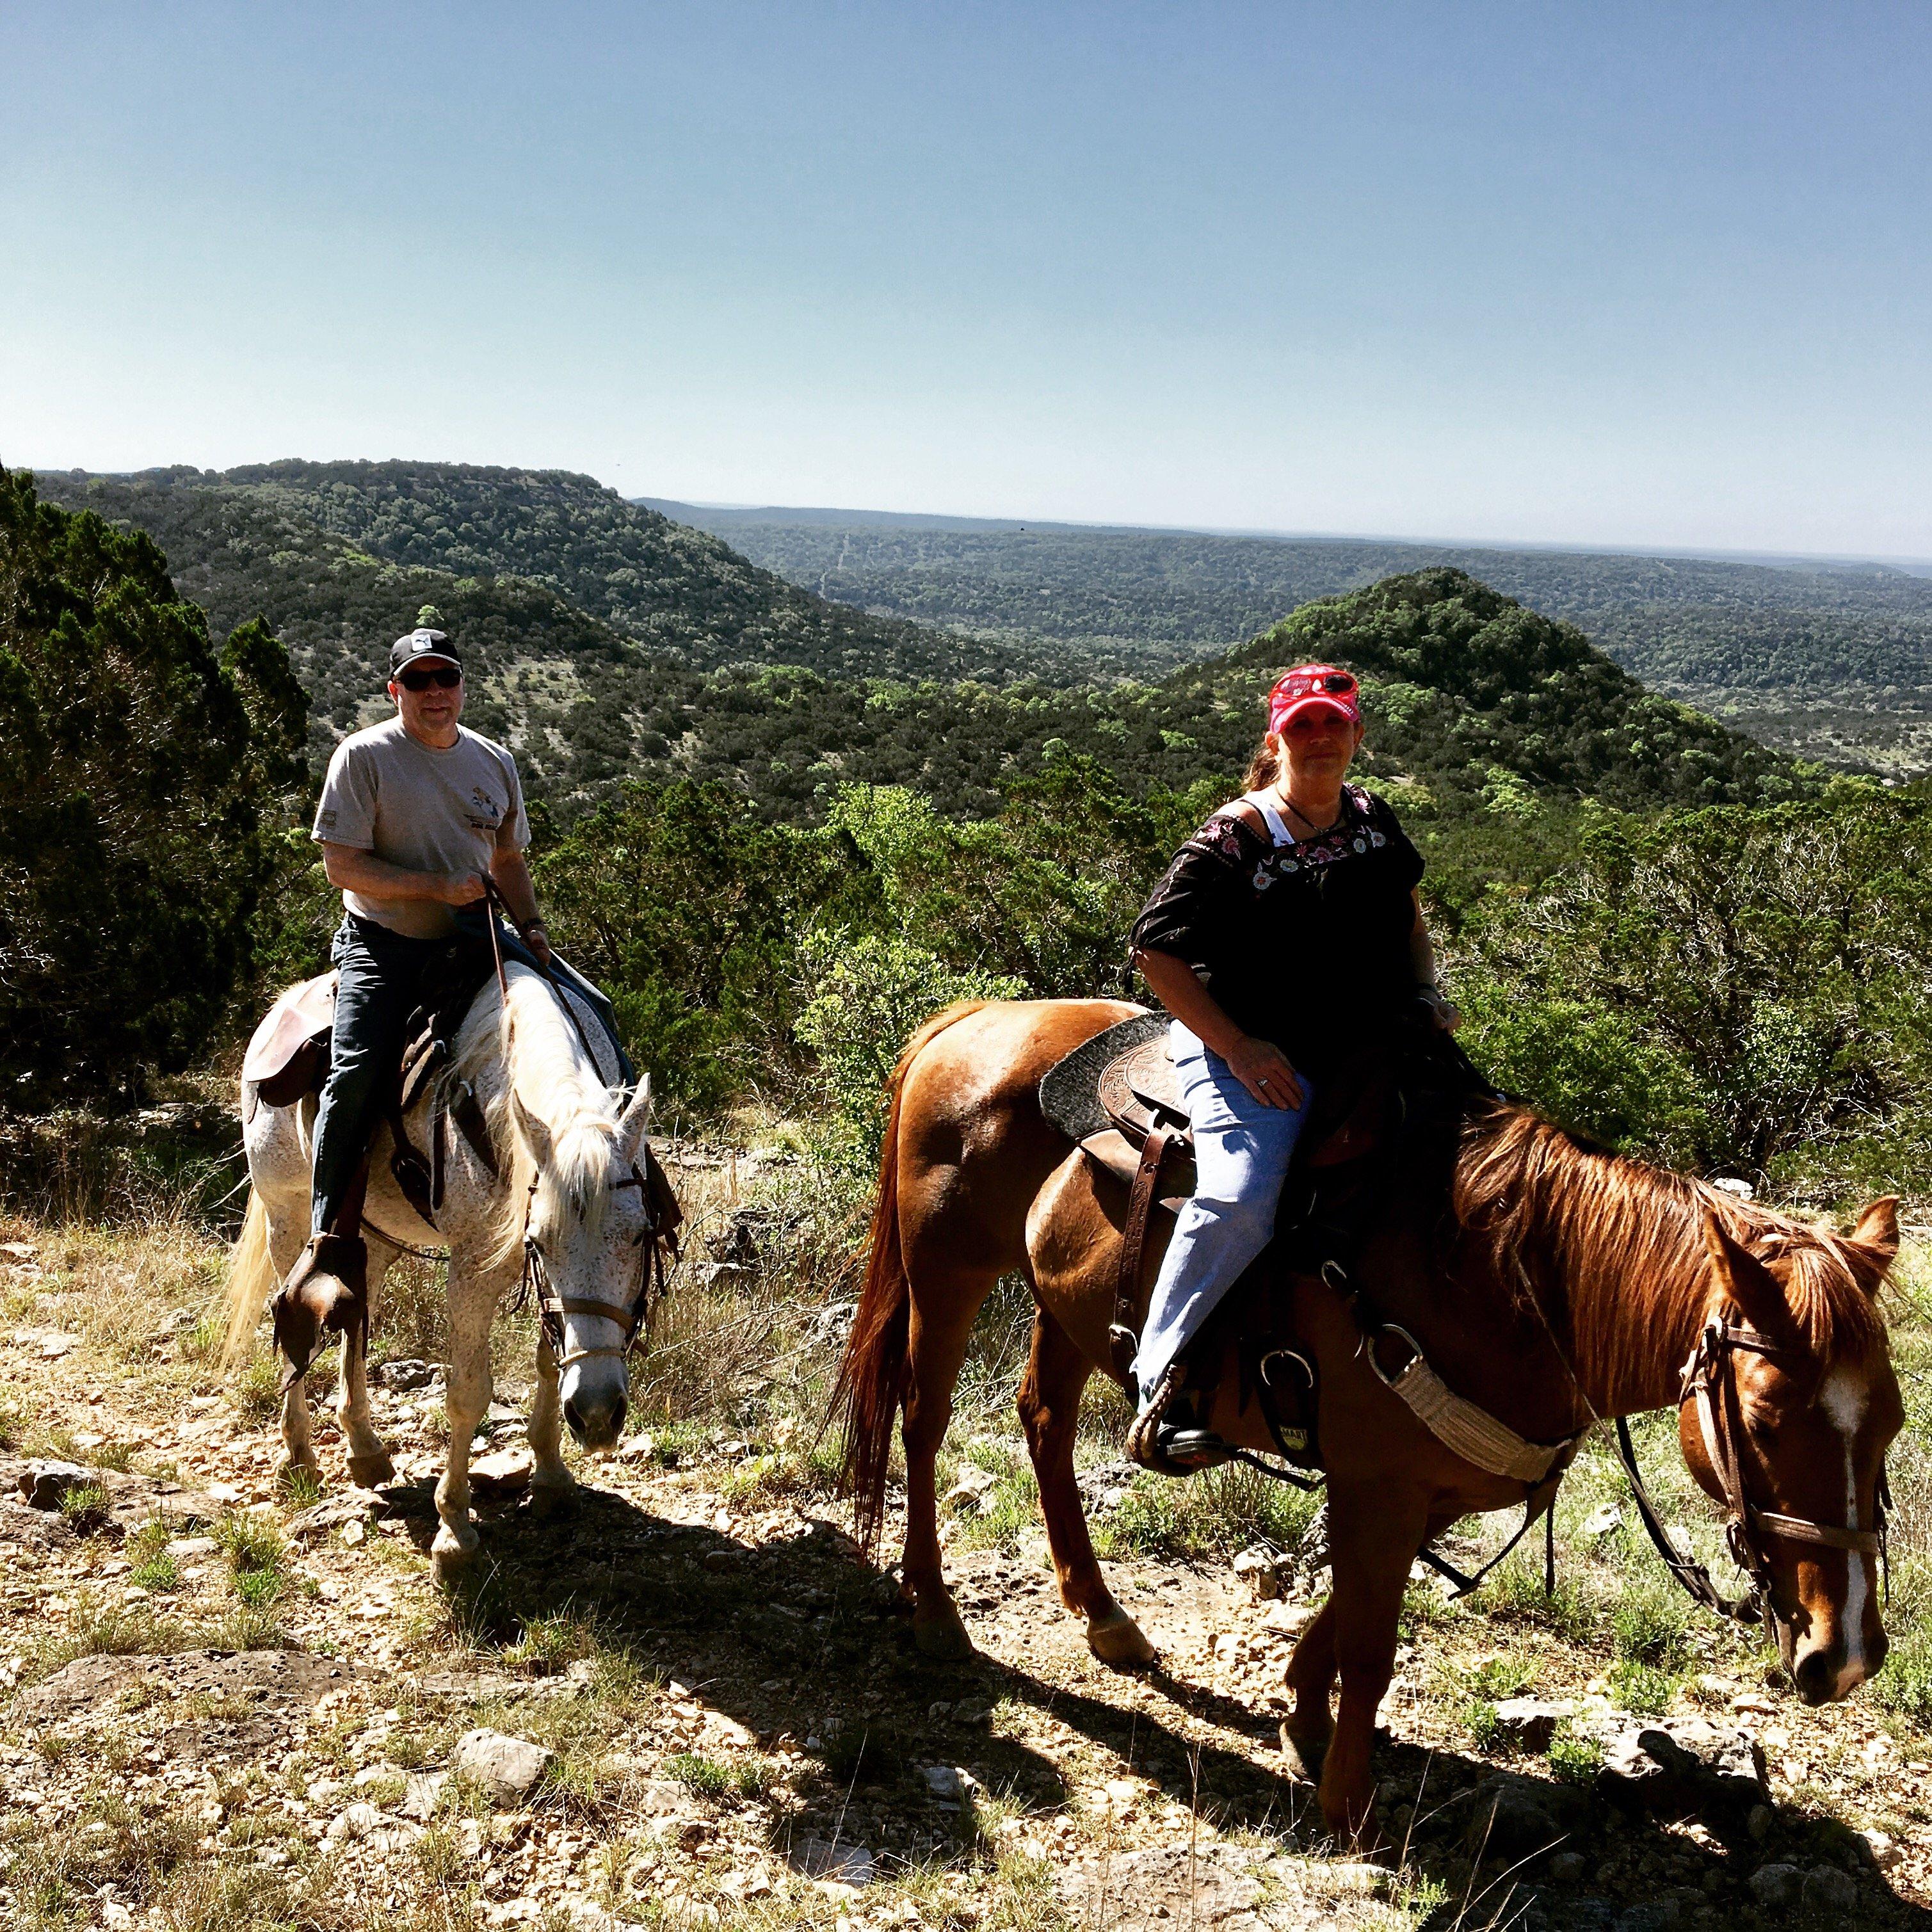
487 815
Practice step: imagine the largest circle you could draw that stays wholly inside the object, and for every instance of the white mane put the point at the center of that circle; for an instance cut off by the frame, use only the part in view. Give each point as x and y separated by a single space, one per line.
530 1046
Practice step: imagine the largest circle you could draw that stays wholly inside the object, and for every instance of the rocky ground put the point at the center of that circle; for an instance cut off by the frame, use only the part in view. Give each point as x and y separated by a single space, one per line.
694 1701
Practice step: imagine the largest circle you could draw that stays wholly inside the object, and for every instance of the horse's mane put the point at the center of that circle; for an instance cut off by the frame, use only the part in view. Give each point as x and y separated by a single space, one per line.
1619 1246
528 1044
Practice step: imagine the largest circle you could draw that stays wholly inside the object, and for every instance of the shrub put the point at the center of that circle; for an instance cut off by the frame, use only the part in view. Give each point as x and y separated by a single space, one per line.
136 771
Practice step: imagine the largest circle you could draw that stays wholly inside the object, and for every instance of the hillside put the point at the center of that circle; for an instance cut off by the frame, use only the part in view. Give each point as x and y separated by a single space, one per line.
1137 601
677 591
1465 685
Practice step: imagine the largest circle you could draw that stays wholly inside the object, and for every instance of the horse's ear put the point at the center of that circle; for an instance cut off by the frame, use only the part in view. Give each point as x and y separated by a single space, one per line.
632 1122
1877 1236
1738 1276
536 1135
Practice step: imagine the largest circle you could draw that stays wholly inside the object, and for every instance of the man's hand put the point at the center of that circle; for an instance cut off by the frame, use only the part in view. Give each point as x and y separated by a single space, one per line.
1262 1068
462 888
538 940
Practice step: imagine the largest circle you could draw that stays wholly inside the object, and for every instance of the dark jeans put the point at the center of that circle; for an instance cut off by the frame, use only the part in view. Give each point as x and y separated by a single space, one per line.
377 974
379 978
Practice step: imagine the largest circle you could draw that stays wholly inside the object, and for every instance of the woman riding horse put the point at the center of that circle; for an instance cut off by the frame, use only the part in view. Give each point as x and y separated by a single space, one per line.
1288 926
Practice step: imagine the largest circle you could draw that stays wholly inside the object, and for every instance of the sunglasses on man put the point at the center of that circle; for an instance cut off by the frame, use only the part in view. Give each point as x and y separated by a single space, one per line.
447 677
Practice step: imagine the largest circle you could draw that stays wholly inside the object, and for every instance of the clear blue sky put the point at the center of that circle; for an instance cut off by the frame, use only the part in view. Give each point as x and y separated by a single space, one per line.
1602 273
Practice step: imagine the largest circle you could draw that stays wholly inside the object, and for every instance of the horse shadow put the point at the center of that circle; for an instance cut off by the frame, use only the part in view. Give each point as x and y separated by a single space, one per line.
803 1641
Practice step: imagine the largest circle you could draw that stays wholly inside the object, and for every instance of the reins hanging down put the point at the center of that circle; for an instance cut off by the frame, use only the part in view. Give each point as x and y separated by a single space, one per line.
1710 1379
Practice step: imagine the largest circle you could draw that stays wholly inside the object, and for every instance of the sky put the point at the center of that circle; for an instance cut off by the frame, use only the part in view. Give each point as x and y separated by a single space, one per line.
1607 274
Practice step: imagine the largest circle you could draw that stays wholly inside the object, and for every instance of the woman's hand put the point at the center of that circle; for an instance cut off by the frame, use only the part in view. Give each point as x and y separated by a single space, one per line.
1262 1068
1448 1014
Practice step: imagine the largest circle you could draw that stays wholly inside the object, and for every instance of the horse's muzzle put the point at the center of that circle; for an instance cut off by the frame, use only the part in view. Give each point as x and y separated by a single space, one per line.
596 1420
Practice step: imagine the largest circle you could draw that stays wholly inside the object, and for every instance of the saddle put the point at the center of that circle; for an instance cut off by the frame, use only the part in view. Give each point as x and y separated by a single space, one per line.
1118 1098
288 1057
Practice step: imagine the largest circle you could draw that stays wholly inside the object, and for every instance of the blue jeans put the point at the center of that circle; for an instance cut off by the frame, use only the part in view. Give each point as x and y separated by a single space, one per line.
378 974
1241 1153
378 983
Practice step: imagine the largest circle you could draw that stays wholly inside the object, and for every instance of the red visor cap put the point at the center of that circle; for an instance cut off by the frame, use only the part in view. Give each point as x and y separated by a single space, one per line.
1313 688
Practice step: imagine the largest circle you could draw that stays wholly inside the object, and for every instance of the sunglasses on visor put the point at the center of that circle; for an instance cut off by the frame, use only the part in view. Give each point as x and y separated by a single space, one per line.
1340 683
447 676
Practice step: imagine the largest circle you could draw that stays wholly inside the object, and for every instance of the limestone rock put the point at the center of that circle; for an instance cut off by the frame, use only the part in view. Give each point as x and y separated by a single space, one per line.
1829 1891
502 1469
832 1863
1777 1885
1512 1817
968 1495
507 1767
1263 1571
408 1373
1677 1767
1529 1723
273 1681
420 1799
45 1485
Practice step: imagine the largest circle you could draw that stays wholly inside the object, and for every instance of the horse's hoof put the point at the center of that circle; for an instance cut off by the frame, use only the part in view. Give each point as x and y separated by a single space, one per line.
1303 1757
290 1467
452 1554
943 1638
371 1472
1117 1640
556 1498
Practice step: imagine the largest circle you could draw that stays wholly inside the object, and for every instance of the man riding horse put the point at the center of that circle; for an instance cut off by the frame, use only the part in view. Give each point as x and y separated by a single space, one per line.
421 825
1287 927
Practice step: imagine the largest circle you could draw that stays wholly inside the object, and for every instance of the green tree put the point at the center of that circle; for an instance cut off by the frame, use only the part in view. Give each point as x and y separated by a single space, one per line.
1724 988
136 772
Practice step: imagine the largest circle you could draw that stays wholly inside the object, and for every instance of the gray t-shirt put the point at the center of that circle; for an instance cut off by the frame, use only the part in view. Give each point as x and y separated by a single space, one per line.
433 812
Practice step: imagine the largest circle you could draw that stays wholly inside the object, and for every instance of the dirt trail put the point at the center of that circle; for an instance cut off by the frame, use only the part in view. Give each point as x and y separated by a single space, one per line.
739 1729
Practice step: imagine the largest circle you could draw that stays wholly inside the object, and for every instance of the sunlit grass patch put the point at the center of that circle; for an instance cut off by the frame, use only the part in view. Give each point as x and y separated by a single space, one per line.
1215 1513
250 1542
93 1628
84 1508
257 1389
160 1574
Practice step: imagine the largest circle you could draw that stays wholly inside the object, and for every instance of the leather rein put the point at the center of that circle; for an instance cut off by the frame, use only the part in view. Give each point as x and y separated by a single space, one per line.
535 1284
552 1307
1710 1380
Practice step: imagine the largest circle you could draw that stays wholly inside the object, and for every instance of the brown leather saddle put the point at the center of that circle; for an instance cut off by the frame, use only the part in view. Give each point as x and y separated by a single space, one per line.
288 1059
1118 1096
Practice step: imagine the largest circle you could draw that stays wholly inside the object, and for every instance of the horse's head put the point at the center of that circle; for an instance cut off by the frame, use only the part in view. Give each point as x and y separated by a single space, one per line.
1792 1399
588 1250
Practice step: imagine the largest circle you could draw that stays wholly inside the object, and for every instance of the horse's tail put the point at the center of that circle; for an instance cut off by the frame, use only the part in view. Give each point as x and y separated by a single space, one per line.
872 1372
251 1279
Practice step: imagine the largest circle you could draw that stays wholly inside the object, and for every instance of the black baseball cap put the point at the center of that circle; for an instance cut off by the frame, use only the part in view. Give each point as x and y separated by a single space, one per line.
424 646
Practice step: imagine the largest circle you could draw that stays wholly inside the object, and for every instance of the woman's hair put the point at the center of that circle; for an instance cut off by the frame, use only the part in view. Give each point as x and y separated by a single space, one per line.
1264 767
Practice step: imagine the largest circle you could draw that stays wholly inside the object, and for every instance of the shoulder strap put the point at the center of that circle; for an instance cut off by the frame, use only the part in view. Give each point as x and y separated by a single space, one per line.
1263 802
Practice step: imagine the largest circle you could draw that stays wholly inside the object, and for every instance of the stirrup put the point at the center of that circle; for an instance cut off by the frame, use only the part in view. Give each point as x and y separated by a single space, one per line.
1177 1448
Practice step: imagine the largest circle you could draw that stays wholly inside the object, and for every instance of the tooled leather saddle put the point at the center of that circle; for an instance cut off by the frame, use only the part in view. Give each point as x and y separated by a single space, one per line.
288 1059
1118 1096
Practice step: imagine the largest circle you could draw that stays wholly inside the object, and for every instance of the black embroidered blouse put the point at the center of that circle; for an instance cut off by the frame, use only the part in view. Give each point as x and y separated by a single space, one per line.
1301 944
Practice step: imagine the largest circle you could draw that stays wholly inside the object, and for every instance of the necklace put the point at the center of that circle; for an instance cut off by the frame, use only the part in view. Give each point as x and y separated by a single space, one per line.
1289 805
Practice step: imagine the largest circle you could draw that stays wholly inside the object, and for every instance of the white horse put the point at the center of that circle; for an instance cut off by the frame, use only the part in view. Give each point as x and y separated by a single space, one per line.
569 1153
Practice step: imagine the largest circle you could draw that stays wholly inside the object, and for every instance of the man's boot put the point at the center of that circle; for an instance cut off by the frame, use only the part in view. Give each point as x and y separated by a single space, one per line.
327 1292
1169 1436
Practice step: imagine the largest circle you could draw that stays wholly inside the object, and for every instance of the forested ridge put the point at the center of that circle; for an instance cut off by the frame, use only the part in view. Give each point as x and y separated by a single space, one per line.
1127 601
543 577
1655 923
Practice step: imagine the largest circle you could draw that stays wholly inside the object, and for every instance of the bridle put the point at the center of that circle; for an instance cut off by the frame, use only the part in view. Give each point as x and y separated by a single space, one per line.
1710 1380
552 1307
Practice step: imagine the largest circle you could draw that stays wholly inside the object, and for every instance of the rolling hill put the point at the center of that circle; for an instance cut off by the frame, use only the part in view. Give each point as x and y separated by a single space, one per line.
1478 703
1746 637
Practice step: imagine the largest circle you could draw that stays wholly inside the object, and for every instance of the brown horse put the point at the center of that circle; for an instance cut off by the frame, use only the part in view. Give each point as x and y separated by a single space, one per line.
1569 1284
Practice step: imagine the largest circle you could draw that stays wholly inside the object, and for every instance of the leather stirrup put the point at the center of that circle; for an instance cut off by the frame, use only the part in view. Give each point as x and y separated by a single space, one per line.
327 1292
